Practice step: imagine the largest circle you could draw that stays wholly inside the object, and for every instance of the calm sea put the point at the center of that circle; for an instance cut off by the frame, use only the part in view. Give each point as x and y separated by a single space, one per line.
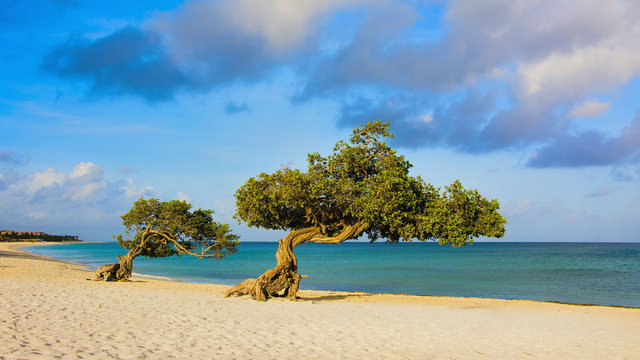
584 273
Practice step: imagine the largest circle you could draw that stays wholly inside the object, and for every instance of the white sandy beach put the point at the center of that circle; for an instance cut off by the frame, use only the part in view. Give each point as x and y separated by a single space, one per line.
50 311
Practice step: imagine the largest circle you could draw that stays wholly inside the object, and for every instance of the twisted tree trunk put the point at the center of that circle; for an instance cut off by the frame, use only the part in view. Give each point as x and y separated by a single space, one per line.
285 277
121 270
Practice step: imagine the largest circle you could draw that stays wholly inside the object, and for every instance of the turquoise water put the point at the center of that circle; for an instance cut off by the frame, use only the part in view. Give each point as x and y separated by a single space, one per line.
584 273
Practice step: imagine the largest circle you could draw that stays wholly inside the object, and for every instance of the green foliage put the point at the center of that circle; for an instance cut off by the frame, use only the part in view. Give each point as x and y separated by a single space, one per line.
29 236
163 228
365 181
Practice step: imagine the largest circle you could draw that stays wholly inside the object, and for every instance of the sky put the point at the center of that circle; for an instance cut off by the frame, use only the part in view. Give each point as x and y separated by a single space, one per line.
533 102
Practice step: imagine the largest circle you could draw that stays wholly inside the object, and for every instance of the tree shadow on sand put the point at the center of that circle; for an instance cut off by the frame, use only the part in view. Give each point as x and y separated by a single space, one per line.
333 297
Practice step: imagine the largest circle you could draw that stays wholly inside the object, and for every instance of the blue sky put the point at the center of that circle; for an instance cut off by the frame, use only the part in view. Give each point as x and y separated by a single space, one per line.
535 103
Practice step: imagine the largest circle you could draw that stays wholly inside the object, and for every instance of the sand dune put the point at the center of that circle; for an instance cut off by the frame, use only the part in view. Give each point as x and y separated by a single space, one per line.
48 310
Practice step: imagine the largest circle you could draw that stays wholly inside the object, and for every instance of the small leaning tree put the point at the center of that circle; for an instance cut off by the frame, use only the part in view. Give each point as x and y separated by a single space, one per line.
156 228
363 187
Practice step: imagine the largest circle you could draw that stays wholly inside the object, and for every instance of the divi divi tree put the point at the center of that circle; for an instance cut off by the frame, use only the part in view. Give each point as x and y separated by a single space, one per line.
156 228
363 187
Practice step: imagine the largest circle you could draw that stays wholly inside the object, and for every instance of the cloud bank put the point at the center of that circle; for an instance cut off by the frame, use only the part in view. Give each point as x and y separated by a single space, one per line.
473 76
82 196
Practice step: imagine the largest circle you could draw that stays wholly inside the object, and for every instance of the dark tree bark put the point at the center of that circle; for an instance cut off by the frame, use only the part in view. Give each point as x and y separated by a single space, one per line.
363 185
158 229
285 277
121 270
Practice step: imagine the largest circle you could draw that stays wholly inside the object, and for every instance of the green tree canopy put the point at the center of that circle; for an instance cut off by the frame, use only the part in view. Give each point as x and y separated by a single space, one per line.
363 187
156 228
365 183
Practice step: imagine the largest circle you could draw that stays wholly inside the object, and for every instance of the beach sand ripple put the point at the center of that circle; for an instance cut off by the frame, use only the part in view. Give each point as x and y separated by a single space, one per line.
50 311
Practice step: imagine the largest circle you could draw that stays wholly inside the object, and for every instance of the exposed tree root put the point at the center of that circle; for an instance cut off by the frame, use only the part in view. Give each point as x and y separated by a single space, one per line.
244 288
284 277
120 271
107 272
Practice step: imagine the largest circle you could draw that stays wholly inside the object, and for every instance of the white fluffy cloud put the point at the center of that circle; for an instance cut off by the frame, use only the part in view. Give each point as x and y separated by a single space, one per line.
528 63
499 74
589 109
182 196
283 23
557 53
55 197
217 41
566 76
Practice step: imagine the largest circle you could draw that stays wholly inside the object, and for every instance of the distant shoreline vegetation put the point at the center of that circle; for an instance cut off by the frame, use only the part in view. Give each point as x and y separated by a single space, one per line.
34 236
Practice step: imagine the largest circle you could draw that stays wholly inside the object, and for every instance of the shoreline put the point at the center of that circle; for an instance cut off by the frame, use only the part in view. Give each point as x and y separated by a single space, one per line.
21 247
50 310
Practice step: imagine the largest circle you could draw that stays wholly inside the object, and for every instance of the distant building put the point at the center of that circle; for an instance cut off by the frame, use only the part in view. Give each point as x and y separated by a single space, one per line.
34 233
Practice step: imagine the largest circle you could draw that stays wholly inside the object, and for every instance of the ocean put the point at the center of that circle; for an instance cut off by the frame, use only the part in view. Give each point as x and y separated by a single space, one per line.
581 273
